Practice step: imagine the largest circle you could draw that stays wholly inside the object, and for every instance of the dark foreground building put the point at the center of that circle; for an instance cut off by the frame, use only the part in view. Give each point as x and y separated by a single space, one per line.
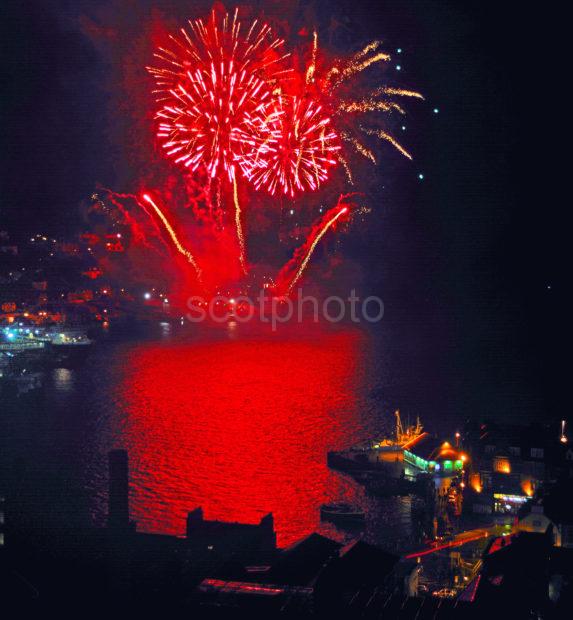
52 565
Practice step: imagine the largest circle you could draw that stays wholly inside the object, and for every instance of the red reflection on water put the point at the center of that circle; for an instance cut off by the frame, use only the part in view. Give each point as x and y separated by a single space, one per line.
241 428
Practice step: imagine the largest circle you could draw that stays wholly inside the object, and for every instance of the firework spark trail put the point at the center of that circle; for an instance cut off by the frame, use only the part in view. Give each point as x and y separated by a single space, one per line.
358 67
359 147
312 66
141 236
173 235
354 67
313 245
400 92
386 136
371 47
134 226
241 238
347 170
370 105
303 254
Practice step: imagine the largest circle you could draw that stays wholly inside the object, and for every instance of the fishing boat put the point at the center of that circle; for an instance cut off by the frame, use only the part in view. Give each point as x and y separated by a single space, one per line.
381 452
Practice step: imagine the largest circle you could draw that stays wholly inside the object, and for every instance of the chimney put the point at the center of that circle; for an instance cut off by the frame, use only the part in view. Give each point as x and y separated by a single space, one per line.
194 521
118 514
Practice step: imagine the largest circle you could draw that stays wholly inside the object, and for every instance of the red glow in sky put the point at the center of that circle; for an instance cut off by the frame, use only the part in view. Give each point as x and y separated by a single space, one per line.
242 115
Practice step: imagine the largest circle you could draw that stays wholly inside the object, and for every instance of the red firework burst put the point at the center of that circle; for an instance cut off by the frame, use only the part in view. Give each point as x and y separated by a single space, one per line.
215 93
300 148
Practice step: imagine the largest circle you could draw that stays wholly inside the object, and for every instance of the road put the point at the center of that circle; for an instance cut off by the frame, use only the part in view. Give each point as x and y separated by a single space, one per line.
460 539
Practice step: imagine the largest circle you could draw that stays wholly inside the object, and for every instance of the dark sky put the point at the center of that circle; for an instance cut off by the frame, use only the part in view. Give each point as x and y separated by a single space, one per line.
475 245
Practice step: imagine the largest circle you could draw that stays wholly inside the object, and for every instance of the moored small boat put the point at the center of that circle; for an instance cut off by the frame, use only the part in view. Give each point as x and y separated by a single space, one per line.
342 512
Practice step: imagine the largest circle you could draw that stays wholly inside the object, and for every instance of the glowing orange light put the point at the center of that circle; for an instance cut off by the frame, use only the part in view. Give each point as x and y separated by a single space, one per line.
527 487
502 465
475 483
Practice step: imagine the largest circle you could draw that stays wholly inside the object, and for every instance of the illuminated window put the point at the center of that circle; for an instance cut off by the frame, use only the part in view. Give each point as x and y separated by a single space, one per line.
537 453
502 465
515 450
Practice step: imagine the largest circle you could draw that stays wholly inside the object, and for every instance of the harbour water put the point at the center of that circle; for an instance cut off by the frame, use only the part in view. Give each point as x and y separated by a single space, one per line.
236 421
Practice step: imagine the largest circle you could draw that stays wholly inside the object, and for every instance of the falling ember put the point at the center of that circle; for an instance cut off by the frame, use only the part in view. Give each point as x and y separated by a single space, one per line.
336 75
359 147
385 136
173 235
400 92
214 92
347 170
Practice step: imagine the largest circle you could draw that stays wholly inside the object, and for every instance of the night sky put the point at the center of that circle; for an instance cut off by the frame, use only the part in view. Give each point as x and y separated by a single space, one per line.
474 250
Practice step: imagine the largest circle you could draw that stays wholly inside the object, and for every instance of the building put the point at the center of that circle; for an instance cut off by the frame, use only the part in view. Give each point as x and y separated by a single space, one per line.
314 577
523 576
429 454
551 513
240 542
510 463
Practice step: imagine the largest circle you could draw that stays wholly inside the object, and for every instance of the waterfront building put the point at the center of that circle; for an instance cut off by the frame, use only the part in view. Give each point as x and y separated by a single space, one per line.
509 464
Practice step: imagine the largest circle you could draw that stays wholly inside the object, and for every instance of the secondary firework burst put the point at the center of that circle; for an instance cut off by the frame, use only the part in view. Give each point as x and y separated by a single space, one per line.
302 147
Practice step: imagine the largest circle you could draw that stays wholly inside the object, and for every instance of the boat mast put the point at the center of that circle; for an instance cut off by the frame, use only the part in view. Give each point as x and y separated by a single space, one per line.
399 429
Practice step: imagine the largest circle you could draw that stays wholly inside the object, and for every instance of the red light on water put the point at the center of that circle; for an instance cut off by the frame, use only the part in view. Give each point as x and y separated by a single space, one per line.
241 428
